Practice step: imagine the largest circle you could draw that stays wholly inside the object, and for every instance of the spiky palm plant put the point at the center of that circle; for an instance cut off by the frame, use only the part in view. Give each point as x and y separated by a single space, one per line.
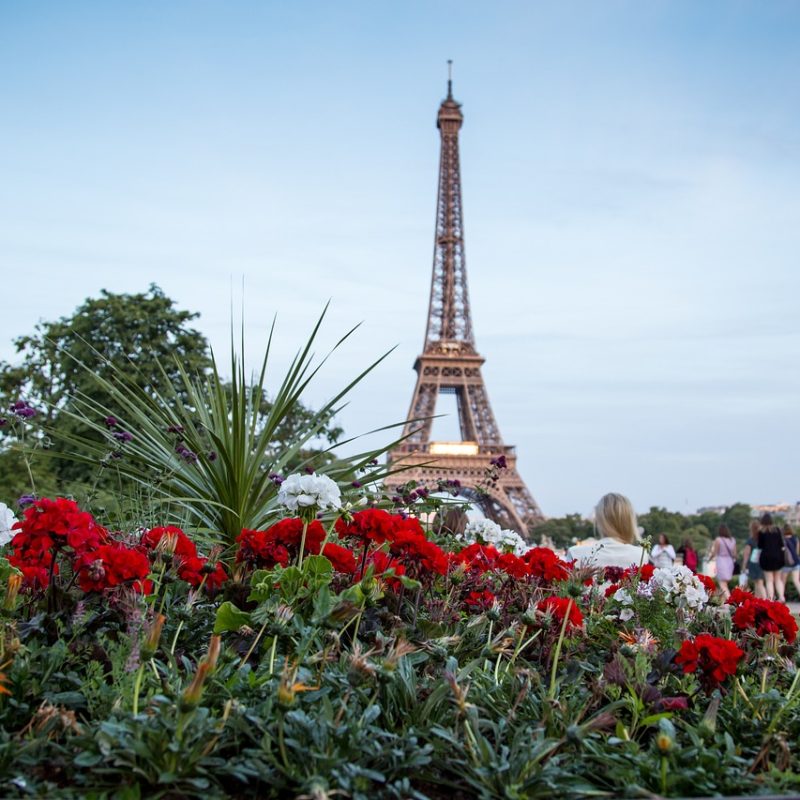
204 450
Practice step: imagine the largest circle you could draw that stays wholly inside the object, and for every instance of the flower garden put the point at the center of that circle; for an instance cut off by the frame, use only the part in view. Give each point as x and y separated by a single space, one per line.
248 625
350 650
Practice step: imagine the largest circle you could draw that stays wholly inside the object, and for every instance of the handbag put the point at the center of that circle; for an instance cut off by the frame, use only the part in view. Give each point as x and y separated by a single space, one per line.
788 557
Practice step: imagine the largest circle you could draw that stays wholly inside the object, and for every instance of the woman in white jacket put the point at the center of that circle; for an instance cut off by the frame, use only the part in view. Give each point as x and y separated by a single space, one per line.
615 521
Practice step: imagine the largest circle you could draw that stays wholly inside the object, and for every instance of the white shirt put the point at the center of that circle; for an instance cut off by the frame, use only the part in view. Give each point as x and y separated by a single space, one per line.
662 556
607 552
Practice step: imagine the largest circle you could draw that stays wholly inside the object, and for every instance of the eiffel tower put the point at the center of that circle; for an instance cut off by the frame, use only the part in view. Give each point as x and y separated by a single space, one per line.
450 364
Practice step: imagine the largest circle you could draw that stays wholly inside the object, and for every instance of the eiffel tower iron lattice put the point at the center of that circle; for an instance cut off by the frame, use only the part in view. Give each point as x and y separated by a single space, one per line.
450 364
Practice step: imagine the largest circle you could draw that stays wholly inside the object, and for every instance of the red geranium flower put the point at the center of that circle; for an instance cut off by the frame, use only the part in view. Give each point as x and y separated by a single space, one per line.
513 565
112 565
766 616
56 523
195 569
369 525
479 600
410 547
382 562
342 559
478 557
545 565
739 596
708 582
279 543
170 539
558 607
713 658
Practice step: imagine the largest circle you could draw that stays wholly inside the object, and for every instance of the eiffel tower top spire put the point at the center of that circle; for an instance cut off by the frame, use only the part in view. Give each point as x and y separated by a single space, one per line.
449 321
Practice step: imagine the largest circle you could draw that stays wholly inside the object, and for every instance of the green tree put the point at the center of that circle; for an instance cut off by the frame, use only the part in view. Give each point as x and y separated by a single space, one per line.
564 531
137 332
737 518
151 340
659 520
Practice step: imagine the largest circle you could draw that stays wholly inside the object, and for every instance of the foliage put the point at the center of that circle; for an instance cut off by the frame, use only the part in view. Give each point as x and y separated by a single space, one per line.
415 668
565 531
149 341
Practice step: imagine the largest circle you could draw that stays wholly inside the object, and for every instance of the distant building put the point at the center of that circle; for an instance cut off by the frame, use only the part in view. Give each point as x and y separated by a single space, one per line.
789 512
712 510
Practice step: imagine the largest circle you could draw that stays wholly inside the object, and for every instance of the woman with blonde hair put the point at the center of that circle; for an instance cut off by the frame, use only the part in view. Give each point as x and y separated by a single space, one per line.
615 521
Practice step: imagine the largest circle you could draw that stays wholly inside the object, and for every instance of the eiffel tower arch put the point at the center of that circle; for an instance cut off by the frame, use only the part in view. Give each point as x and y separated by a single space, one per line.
450 364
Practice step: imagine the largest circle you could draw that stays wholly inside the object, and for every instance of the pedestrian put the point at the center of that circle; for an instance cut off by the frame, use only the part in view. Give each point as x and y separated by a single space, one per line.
751 569
689 555
663 553
615 521
791 567
724 552
771 559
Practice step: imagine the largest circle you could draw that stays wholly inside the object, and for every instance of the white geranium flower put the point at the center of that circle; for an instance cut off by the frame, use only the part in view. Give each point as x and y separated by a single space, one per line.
482 531
624 597
512 542
7 520
626 614
680 587
304 494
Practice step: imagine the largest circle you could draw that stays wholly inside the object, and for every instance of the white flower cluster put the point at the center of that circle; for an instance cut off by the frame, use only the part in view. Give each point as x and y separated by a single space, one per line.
7 519
680 587
306 492
484 531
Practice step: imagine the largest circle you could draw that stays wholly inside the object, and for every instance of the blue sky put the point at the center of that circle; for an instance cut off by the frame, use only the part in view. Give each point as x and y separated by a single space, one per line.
631 187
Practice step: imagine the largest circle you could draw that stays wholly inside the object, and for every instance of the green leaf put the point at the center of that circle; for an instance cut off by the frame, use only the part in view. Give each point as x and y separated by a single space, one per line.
409 583
230 618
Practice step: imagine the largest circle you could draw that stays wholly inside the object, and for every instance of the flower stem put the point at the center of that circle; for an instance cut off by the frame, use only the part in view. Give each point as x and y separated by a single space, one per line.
557 654
137 686
303 542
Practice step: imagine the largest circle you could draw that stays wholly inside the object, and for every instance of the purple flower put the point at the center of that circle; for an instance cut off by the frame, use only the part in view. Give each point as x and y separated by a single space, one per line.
26 500
356 484
211 455
276 479
309 470
499 462
111 422
3 421
175 429
22 410
122 436
185 453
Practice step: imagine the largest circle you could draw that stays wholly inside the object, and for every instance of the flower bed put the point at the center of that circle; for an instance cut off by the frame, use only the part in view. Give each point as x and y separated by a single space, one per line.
335 653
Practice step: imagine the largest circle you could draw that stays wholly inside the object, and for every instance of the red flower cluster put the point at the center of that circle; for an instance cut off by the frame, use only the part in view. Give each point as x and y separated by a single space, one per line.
559 607
545 565
112 565
53 528
280 543
47 528
410 546
342 559
713 658
369 525
764 616
739 596
190 565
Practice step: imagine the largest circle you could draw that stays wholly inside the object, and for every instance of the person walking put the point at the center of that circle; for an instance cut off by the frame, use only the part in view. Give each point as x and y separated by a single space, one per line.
615 521
663 553
689 555
791 567
770 542
751 569
724 552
